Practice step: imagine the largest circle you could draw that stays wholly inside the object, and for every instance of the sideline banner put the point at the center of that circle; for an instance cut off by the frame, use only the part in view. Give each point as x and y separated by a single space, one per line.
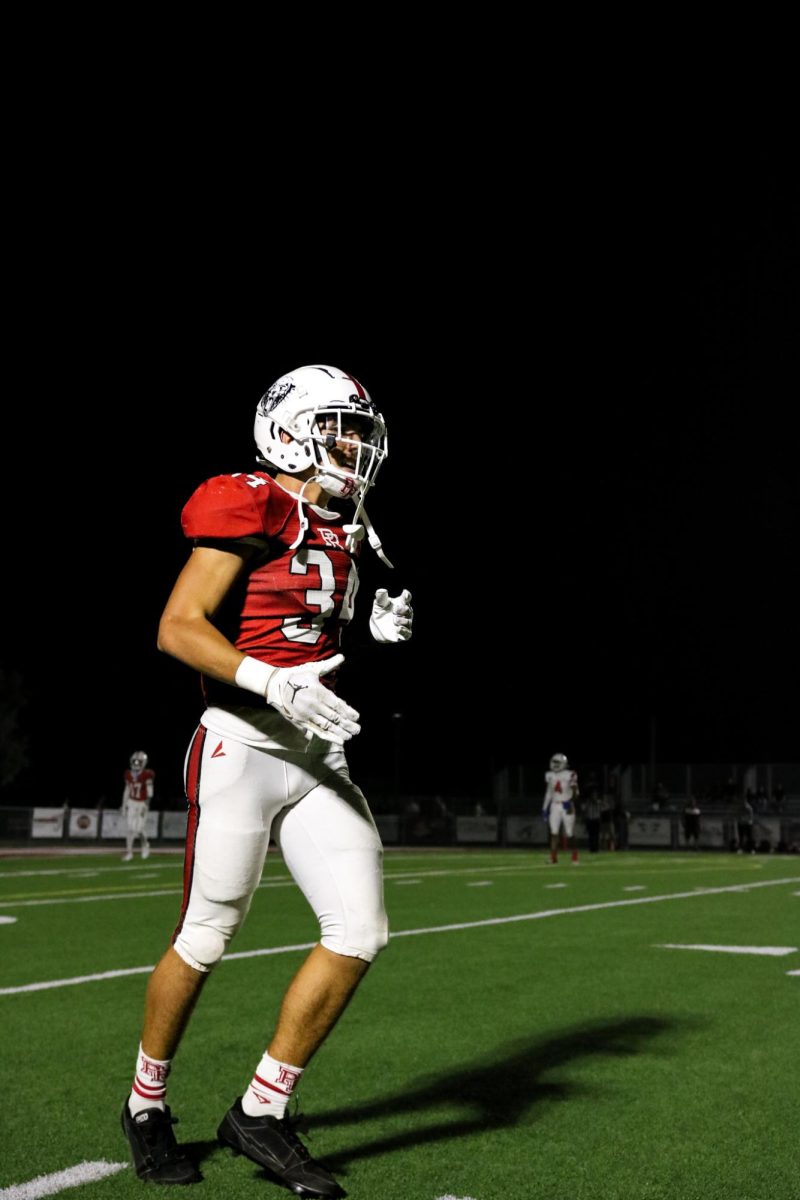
48 822
173 824
650 831
527 831
84 822
476 829
114 824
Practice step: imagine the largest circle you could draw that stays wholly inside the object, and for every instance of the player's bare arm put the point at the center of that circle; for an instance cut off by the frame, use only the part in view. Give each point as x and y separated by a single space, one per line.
186 630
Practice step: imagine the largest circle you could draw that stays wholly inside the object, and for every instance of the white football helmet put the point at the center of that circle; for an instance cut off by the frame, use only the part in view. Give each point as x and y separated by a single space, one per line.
316 406
559 762
138 760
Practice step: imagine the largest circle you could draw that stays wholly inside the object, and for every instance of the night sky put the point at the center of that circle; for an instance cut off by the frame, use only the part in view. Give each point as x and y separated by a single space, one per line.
591 488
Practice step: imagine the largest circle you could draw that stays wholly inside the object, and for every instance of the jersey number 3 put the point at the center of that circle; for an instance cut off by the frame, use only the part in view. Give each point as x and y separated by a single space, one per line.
308 628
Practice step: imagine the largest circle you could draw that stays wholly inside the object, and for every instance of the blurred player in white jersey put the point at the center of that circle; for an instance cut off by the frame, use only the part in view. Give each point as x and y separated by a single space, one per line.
558 808
136 797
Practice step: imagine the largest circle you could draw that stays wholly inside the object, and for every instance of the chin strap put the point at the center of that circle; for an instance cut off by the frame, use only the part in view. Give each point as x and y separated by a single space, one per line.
355 533
303 519
374 540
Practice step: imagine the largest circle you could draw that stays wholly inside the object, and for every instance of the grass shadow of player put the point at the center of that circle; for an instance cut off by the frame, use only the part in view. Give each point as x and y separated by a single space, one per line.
496 1092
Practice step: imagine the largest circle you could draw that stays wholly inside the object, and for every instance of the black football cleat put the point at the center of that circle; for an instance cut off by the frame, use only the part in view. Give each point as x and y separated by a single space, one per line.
275 1146
156 1155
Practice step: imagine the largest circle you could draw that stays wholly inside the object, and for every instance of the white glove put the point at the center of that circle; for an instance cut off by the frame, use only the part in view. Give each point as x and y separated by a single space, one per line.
391 617
297 693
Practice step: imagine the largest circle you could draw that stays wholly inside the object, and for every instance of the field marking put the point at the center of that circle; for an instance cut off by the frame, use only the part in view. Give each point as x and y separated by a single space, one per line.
90 899
773 951
793 972
76 872
406 882
8 920
550 886
480 883
59 1181
75 897
458 927
636 887
451 1197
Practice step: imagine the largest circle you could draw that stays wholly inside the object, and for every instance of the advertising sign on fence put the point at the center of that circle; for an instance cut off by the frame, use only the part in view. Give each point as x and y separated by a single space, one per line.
476 829
84 822
48 823
530 831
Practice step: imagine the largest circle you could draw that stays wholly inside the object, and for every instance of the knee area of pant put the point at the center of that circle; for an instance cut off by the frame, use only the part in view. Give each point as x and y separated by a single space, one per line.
200 946
367 946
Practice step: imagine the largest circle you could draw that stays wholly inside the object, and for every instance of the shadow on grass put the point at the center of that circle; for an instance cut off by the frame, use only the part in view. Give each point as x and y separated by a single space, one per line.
498 1091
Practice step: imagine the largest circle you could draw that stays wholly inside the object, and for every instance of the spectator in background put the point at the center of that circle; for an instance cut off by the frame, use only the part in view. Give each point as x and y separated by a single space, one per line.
660 798
762 800
729 792
691 823
621 819
745 819
441 820
778 798
590 811
414 828
607 832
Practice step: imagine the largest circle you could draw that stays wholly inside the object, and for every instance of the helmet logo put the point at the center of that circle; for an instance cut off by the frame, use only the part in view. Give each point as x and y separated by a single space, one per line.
278 392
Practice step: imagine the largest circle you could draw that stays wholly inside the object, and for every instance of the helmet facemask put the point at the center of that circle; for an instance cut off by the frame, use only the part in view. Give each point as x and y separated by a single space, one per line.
333 427
348 464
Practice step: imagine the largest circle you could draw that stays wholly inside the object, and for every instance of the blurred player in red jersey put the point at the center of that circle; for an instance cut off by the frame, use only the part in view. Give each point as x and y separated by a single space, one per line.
259 610
558 808
136 797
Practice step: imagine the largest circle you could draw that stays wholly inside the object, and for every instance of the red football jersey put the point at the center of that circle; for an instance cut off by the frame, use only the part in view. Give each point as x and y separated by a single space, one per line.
292 604
137 782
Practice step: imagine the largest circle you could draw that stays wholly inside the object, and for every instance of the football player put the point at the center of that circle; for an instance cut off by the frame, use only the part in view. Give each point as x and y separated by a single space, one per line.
136 797
259 610
558 808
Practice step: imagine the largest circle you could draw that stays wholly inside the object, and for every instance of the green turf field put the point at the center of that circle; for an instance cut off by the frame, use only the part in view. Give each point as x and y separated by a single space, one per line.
551 1049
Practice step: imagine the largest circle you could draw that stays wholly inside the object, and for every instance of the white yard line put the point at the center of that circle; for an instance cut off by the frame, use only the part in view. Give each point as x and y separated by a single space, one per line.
287 881
771 951
59 1181
458 927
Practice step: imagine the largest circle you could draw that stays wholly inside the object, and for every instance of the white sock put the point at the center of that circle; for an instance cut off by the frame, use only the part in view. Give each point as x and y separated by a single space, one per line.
149 1083
270 1088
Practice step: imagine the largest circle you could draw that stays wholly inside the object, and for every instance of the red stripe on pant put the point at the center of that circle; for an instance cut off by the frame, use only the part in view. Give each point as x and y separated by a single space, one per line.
193 770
